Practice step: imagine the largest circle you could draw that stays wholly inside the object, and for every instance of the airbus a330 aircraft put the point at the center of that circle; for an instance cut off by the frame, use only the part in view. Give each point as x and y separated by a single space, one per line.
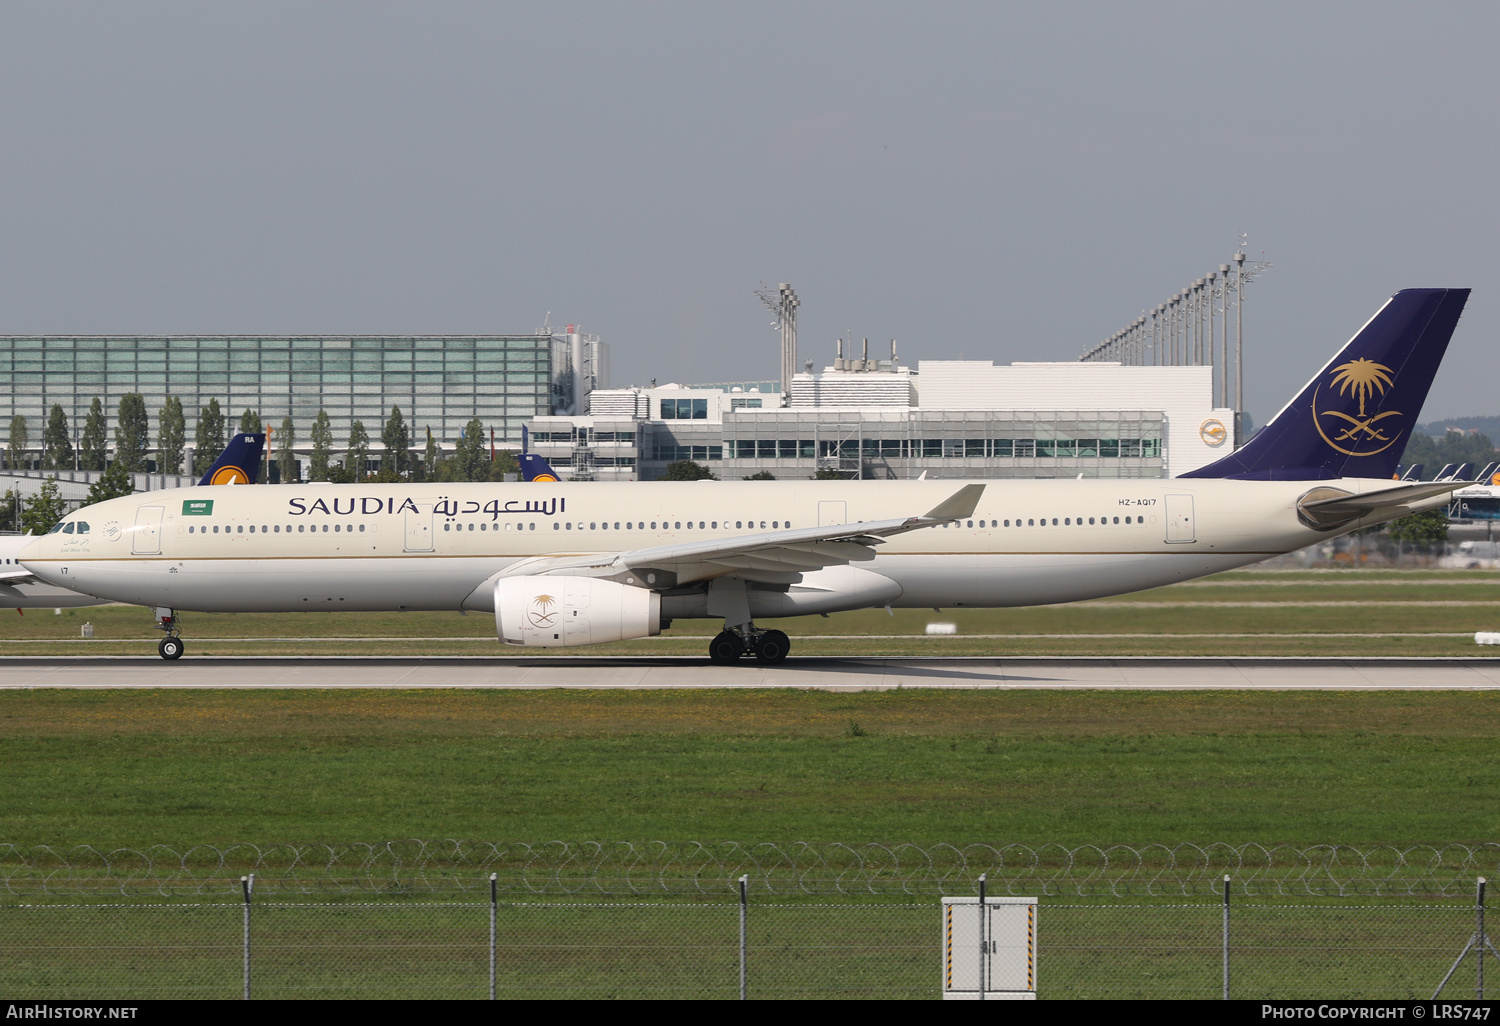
576 564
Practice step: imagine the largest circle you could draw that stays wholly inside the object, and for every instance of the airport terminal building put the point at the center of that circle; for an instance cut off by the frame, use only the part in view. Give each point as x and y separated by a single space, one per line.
438 381
948 418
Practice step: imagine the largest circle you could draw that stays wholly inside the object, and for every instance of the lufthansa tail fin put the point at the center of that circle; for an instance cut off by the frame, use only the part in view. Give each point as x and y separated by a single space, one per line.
1355 416
239 463
533 467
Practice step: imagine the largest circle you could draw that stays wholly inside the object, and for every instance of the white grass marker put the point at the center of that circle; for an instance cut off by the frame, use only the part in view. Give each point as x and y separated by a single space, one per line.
952 628
1487 637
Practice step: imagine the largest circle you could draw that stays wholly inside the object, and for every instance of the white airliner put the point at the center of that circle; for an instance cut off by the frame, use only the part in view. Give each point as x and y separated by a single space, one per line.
576 564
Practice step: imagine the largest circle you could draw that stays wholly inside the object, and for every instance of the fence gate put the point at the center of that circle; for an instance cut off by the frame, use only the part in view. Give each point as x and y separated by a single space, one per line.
989 949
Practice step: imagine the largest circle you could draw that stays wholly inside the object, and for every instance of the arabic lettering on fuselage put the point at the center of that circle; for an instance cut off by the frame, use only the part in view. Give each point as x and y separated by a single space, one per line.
369 505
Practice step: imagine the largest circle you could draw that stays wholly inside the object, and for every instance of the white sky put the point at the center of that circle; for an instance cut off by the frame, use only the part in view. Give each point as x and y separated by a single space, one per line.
1000 181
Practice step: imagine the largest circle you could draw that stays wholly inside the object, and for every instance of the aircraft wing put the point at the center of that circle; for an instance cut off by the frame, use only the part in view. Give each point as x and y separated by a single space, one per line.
18 575
772 556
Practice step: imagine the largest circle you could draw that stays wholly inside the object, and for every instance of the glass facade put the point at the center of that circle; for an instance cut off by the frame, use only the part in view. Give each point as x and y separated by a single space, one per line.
439 381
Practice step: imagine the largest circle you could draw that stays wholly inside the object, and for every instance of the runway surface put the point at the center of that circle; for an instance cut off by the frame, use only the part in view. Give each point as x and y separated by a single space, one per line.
1194 674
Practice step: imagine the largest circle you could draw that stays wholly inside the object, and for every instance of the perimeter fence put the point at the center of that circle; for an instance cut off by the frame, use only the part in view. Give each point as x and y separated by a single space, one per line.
749 948
455 868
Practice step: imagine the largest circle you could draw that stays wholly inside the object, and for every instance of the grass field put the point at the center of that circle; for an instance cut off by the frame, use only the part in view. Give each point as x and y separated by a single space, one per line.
1249 613
134 768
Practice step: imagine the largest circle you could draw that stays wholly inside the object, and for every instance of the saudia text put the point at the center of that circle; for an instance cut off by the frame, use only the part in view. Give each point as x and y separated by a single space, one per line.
369 505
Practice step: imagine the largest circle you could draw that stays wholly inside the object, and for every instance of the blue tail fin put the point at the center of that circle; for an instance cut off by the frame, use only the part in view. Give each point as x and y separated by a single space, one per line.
533 467
1354 416
239 463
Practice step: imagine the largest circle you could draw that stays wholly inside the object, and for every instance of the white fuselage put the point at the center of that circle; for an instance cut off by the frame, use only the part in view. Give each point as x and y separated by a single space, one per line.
432 546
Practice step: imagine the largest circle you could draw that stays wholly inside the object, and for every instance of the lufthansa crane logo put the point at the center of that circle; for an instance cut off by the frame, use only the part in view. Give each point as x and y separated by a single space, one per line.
229 475
1362 434
1212 432
540 614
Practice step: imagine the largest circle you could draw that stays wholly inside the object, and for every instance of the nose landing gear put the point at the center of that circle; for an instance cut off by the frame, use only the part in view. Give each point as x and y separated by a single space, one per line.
171 646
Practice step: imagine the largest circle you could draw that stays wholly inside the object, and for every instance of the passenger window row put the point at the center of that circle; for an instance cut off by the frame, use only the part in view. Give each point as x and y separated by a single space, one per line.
486 527
301 529
672 525
1043 522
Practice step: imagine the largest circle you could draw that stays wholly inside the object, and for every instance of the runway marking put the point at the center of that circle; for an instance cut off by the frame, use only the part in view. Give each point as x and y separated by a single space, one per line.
939 638
829 674
1269 604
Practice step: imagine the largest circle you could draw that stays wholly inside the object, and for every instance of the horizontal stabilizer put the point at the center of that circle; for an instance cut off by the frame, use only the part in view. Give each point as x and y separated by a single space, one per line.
1329 508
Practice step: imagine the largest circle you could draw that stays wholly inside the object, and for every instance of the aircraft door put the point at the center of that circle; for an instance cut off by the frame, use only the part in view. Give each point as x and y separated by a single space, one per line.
831 514
145 540
1180 526
419 528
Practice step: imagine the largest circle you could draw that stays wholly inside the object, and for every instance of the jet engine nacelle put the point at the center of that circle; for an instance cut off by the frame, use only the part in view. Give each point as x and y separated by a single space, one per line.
560 612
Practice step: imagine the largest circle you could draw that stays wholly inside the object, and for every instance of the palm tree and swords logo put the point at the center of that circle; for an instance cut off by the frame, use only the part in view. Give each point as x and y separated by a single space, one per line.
1364 379
541 612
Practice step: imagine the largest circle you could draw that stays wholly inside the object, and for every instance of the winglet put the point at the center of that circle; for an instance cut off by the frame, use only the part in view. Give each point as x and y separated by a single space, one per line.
961 503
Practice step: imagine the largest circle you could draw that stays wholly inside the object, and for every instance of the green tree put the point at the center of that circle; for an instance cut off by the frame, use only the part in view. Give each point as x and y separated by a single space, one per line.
10 510
397 440
114 483
40 511
1423 530
57 441
764 475
15 450
432 459
687 470
1454 447
322 448
286 451
504 463
828 475
250 423
208 439
132 432
93 446
470 460
358 452
171 436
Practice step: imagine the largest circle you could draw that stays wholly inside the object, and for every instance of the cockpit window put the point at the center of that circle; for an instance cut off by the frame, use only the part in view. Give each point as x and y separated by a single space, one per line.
83 527
55 528
68 528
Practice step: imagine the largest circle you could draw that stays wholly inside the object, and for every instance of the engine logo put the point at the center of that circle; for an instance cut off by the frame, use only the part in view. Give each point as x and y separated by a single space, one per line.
540 614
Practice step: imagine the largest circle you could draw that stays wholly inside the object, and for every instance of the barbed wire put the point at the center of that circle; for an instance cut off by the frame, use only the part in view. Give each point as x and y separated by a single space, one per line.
628 869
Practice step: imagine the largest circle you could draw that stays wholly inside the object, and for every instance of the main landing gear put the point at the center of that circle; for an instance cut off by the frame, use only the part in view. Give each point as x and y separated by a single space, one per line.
168 621
730 645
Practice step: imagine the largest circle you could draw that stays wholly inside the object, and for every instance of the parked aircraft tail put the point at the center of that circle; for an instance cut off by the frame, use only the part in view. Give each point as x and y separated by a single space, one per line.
533 467
1414 472
239 463
1353 419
